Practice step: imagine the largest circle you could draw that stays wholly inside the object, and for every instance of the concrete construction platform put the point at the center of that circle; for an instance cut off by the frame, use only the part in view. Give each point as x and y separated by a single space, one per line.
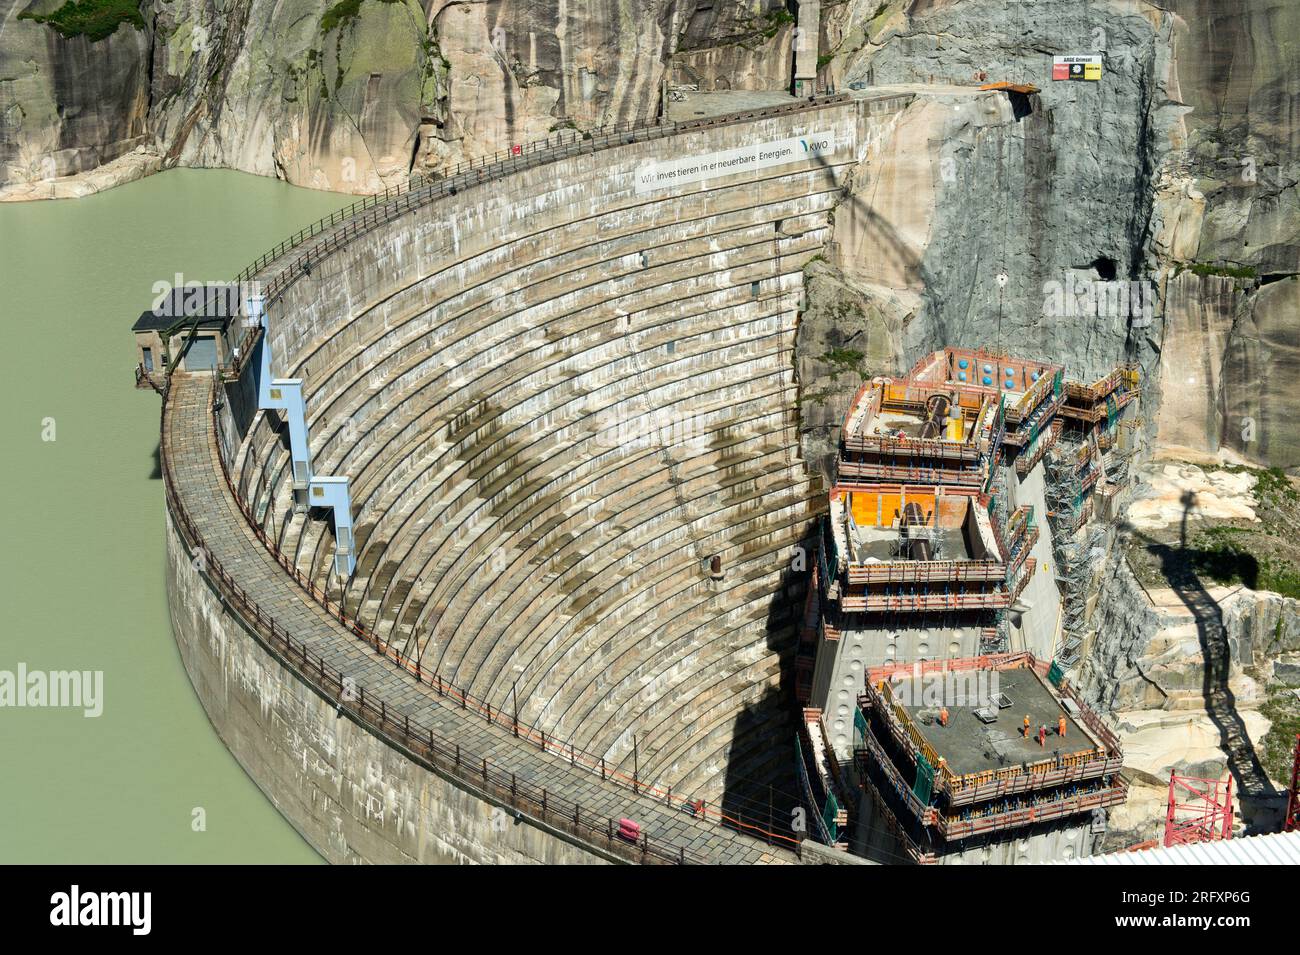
971 746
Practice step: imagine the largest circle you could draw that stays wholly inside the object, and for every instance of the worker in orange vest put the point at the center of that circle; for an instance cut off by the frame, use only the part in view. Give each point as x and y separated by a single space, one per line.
1026 726
943 716
1042 736
1060 725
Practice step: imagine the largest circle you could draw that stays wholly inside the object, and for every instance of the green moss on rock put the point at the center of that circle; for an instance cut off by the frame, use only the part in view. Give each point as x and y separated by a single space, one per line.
1227 271
1282 709
93 19
342 12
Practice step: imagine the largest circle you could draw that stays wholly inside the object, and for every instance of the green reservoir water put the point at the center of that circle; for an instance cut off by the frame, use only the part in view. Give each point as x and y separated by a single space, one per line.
81 554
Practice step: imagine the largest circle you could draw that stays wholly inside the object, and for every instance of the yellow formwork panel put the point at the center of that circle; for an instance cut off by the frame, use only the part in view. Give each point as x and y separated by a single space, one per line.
882 508
896 393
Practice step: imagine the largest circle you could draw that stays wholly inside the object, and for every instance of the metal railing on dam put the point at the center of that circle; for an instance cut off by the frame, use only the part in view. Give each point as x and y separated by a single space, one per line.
341 227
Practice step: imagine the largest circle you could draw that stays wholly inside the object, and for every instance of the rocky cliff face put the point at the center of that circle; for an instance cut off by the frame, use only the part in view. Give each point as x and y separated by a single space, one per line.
978 206
1152 656
1226 197
319 96
353 95
1177 171
67 104
1182 160
1192 679
732 46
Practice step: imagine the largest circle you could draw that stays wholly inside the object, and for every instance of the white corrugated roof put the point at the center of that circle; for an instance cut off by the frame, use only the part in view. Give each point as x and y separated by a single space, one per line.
1278 848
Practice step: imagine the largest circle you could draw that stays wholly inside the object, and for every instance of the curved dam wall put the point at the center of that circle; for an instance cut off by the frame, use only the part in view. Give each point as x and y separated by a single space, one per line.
558 396
350 794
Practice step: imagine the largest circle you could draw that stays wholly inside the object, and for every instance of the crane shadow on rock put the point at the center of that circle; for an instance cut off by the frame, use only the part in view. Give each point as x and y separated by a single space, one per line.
1182 566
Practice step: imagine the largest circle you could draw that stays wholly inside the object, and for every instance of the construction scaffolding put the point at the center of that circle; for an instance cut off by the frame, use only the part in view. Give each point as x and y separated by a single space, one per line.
1117 445
1200 810
937 782
925 531
822 783
1086 470
1073 540
1015 533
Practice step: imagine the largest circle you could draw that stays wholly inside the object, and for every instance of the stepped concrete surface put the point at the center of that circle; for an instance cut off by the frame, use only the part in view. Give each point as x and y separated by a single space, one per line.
192 456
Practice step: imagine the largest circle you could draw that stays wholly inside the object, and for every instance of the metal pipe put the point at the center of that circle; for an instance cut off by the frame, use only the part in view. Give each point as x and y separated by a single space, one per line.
937 408
919 548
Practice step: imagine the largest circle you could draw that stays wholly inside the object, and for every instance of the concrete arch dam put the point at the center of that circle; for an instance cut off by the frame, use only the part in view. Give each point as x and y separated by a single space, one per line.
564 400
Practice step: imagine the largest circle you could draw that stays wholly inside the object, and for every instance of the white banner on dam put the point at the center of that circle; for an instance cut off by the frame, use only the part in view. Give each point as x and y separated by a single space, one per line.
676 172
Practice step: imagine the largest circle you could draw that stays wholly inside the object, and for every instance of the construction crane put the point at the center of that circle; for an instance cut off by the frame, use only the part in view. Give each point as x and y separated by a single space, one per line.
1200 810
1293 798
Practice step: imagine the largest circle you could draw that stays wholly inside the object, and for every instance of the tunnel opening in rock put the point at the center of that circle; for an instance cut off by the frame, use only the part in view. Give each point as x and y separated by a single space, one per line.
1106 268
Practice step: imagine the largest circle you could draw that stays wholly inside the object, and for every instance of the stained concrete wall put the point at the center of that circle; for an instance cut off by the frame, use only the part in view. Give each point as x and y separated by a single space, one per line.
471 367
579 189
351 796
448 295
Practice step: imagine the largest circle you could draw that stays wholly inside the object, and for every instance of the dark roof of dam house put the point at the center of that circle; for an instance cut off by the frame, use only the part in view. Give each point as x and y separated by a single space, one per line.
218 305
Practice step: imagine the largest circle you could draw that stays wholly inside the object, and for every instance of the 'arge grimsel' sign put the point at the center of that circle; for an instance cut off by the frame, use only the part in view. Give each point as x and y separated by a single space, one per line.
1077 67
675 172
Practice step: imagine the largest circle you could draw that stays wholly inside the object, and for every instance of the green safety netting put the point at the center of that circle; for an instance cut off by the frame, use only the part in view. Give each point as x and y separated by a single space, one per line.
924 784
1056 384
828 536
829 813
1055 674
859 725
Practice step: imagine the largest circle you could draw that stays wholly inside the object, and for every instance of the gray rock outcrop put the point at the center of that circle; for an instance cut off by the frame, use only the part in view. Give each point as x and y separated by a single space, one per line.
67 104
